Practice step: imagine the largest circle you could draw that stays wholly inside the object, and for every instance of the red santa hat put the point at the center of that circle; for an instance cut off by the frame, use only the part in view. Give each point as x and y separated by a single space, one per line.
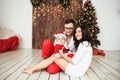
59 34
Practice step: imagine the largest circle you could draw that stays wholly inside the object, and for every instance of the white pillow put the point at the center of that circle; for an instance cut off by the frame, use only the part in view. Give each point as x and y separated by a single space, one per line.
6 33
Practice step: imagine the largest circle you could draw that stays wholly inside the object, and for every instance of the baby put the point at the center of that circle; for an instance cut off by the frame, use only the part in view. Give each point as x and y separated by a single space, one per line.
59 43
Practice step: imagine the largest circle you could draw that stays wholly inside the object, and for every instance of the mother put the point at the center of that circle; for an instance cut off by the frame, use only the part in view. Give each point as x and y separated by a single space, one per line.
77 65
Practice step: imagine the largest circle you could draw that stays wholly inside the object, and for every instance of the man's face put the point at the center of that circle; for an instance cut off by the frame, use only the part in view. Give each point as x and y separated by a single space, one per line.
68 29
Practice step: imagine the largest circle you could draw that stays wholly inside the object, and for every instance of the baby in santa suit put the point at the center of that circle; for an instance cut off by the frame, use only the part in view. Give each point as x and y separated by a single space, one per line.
59 43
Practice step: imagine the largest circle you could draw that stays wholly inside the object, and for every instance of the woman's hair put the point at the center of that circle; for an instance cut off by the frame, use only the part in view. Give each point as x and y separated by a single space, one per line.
85 35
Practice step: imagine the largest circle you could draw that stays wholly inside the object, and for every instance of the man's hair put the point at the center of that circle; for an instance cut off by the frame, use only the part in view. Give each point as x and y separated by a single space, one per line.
70 21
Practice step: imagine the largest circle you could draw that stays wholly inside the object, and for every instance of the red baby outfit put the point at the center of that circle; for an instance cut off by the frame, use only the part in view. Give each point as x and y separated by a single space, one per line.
47 50
54 68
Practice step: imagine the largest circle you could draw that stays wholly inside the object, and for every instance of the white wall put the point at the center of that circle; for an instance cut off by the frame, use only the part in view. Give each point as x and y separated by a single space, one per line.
17 15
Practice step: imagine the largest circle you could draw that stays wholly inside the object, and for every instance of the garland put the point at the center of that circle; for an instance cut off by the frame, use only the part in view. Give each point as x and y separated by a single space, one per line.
36 2
64 3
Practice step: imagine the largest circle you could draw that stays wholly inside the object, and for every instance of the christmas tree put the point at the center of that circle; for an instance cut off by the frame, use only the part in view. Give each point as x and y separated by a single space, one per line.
87 17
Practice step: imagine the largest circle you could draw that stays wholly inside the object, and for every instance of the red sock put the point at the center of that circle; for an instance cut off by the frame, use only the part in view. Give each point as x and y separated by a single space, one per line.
70 55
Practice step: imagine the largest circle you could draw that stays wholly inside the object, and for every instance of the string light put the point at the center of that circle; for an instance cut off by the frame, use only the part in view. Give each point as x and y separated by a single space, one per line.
57 11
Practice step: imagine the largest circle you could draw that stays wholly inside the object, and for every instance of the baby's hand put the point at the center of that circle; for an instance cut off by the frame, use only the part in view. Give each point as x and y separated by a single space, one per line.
69 52
57 55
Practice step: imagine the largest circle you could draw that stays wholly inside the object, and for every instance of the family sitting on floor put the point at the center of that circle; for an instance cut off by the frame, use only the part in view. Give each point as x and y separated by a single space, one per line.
71 52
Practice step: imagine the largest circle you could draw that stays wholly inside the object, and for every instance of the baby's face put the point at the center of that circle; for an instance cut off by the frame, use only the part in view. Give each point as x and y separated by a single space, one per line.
60 39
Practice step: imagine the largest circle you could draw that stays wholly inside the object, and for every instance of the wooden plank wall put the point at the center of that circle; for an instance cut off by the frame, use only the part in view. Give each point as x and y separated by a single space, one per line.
49 18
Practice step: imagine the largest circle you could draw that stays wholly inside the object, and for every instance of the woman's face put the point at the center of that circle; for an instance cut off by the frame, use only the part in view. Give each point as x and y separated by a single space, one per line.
78 33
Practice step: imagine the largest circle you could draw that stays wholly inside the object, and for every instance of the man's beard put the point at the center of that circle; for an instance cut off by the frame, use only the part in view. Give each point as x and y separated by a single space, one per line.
69 35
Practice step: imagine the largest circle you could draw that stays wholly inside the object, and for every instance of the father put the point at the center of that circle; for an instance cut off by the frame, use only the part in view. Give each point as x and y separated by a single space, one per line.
47 47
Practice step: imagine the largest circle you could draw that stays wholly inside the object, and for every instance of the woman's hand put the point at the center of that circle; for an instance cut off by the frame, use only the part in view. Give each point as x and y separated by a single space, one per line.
57 55
68 59
61 52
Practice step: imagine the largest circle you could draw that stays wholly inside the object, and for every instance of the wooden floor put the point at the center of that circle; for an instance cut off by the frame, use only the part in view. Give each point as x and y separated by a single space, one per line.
13 62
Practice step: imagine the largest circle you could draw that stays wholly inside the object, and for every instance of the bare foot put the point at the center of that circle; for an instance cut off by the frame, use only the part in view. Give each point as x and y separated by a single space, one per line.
27 68
28 71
